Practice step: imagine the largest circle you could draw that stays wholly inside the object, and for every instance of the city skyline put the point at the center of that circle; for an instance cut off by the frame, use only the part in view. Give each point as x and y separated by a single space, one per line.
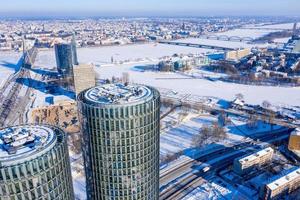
93 8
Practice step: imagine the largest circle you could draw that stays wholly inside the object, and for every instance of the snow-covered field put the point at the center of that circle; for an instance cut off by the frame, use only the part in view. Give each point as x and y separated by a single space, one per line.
178 82
8 64
273 26
253 33
221 43
282 40
204 87
103 55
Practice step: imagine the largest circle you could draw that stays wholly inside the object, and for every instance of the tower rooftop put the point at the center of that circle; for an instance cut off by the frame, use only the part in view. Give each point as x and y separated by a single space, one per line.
118 94
20 143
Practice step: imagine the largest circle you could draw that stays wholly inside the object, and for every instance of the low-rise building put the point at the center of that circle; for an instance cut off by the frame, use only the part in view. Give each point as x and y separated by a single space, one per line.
283 185
246 164
237 54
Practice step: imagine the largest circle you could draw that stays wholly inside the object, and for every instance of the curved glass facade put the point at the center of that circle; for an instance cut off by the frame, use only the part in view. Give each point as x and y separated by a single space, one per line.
121 148
45 174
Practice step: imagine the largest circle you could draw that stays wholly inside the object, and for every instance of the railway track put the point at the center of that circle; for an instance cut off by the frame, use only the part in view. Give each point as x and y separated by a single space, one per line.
10 100
175 190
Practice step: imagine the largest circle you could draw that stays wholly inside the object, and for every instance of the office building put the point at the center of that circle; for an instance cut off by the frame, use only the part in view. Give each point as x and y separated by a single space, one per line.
121 138
282 186
84 77
34 163
66 57
246 164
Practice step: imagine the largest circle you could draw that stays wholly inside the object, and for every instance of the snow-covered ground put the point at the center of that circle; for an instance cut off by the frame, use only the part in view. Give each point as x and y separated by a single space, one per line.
282 40
8 65
221 43
273 26
252 33
203 87
103 55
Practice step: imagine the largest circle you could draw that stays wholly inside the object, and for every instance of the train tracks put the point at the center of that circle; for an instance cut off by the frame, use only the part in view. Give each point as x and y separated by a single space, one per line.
9 102
176 190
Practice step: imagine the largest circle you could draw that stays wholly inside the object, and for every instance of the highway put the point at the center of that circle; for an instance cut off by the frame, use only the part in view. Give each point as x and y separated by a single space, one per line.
186 180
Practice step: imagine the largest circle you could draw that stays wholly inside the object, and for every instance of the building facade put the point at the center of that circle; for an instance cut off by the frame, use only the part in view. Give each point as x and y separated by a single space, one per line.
246 164
34 164
66 57
282 186
121 139
294 141
84 77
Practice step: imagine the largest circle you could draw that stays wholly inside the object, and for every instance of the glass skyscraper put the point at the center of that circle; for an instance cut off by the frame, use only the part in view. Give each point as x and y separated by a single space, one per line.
121 141
66 57
34 164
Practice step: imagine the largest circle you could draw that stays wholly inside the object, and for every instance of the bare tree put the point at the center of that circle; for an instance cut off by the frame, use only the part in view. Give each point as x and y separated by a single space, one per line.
239 96
76 141
209 133
218 132
125 77
266 104
252 122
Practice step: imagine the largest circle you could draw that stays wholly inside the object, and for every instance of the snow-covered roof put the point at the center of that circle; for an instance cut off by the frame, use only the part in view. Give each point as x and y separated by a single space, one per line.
284 180
21 142
118 93
256 155
238 101
296 132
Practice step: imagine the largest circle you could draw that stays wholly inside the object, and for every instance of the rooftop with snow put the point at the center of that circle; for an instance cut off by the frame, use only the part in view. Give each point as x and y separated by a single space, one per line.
256 155
285 179
296 132
24 142
117 93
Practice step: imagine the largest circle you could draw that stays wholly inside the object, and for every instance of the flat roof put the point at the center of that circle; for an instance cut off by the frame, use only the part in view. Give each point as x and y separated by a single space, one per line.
256 155
296 132
19 143
284 179
118 94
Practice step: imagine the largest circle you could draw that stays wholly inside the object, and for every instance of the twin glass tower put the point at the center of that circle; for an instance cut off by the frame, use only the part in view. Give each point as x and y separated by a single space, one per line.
121 141
120 126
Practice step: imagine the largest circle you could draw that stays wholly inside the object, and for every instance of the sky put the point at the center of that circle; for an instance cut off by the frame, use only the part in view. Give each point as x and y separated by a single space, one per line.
11 8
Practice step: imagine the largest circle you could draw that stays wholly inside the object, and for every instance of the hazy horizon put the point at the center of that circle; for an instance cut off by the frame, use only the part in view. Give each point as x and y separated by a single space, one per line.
94 8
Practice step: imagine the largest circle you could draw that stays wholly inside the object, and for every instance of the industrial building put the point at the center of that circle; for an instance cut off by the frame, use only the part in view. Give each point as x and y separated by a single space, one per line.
246 164
84 77
284 185
34 163
294 141
121 126
66 57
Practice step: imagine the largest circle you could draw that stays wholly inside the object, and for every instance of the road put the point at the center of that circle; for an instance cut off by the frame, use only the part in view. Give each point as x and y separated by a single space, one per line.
185 180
